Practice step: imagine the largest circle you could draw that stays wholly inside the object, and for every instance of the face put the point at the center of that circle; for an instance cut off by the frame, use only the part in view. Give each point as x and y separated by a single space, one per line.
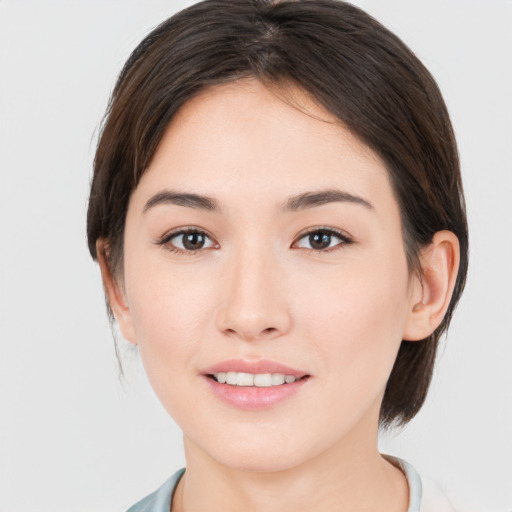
264 244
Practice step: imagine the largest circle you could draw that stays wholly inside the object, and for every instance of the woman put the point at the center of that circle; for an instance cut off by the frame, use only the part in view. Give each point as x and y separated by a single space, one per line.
278 216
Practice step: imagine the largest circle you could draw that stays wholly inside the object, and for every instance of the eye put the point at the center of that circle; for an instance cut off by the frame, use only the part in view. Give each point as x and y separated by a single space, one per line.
322 239
187 240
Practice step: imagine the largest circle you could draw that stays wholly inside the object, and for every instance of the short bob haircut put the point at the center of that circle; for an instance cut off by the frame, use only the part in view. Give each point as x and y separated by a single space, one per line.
353 67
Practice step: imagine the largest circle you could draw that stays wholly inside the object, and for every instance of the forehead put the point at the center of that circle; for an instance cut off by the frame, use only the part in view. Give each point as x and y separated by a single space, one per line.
270 140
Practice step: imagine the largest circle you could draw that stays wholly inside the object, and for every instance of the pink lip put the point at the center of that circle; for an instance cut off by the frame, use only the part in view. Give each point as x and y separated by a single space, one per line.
262 366
254 398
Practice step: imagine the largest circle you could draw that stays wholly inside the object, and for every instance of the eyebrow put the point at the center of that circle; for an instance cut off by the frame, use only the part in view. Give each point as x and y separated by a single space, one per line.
294 203
312 199
195 201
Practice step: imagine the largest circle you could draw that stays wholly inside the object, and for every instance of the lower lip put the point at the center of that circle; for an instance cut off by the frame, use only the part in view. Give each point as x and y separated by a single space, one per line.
254 398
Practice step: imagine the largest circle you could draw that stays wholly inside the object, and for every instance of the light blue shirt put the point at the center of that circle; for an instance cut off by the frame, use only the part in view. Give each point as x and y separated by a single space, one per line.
160 500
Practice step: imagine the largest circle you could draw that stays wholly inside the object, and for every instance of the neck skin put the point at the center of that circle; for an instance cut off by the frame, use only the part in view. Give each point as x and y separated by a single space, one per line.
350 476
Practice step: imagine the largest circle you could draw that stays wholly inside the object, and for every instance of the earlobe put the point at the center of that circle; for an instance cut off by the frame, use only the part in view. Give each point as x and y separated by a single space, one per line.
433 287
114 293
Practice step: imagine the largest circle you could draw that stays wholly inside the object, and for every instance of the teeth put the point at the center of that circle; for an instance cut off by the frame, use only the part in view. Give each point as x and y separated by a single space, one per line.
245 379
231 378
277 379
261 380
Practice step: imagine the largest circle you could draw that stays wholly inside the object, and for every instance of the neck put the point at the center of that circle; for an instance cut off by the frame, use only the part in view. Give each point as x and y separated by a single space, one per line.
349 476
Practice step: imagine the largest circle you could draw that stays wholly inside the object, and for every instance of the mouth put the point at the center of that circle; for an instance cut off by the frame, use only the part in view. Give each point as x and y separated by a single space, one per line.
259 380
254 385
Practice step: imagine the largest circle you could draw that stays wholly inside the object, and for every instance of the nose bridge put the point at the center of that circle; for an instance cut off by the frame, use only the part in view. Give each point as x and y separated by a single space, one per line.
255 303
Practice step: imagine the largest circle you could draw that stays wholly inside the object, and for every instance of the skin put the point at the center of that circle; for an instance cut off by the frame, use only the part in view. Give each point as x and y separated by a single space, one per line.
256 291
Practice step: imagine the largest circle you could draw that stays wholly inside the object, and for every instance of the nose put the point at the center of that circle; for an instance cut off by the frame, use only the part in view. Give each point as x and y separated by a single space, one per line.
254 302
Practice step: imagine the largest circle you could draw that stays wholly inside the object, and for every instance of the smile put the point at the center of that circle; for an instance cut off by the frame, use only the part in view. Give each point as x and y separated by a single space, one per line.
260 380
254 385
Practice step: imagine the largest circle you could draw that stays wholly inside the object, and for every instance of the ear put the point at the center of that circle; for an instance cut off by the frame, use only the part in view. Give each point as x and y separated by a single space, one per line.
432 288
114 291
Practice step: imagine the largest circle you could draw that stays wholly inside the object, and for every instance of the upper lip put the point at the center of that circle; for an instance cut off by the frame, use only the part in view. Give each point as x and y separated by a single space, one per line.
255 367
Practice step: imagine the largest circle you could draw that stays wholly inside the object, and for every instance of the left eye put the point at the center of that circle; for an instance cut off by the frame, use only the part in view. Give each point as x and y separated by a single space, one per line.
321 240
191 240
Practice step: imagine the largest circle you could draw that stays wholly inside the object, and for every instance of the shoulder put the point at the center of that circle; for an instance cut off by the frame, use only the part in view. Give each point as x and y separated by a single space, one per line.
433 498
160 500
424 494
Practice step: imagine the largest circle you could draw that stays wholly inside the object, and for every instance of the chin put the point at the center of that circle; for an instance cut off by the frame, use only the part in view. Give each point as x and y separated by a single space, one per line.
260 463
261 454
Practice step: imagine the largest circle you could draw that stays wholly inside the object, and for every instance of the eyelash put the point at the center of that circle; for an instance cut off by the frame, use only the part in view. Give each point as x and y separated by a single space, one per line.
166 240
344 239
168 237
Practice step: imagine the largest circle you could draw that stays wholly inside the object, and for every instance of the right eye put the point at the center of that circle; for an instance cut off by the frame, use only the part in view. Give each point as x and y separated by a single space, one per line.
187 241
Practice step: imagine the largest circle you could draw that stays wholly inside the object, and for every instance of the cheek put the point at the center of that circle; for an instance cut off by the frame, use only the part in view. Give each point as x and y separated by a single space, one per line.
357 318
164 301
169 311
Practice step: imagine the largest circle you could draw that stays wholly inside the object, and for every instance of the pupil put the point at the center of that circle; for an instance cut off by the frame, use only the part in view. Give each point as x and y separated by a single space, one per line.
192 241
320 240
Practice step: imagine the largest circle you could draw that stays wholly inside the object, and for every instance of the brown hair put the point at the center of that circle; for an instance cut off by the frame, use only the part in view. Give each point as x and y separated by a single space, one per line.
354 67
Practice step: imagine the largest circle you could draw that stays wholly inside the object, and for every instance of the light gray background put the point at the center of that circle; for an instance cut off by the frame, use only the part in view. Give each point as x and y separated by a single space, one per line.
72 438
